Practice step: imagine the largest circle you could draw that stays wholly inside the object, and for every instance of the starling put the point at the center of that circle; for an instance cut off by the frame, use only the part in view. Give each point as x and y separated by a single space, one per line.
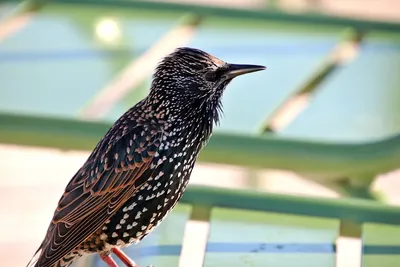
137 173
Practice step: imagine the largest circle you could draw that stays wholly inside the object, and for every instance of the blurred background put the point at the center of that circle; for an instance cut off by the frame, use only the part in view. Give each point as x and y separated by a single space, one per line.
321 121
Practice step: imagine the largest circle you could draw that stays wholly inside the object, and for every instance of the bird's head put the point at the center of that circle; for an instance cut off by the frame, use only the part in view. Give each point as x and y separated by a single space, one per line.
189 83
195 73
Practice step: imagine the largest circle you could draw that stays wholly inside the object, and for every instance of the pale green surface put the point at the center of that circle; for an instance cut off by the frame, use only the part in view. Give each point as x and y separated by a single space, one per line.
270 227
228 225
380 234
269 260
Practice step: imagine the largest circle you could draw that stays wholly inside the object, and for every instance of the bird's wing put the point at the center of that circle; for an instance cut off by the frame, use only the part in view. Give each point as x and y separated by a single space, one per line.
106 181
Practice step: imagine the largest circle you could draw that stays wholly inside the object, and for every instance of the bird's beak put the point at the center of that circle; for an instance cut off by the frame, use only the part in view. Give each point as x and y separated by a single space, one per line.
239 69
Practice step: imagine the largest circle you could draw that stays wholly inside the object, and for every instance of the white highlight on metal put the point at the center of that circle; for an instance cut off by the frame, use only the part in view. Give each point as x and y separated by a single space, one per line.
194 243
348 252
108 30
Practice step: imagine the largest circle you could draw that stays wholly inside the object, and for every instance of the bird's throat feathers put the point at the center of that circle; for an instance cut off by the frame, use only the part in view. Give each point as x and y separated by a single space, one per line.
195 114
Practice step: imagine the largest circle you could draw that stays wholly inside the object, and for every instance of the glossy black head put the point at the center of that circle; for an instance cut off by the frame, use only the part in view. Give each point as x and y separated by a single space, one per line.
187 87
192 72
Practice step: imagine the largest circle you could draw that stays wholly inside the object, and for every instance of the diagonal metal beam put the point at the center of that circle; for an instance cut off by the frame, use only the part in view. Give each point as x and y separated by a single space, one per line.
12 25
18 18
140 69
343 53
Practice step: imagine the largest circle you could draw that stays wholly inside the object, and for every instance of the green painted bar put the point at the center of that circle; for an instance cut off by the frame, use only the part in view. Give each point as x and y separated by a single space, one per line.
354 210
247 14
324 160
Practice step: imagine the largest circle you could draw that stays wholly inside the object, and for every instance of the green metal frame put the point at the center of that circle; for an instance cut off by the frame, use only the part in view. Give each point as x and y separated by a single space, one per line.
358 211
202 10
310 158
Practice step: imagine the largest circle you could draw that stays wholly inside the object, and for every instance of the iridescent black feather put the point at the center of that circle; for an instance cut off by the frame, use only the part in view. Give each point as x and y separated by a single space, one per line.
139 170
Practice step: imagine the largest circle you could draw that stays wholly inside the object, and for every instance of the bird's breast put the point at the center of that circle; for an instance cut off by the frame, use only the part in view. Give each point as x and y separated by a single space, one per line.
164 183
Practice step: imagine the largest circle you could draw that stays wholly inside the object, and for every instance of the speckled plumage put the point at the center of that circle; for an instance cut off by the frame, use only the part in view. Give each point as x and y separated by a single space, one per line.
140 169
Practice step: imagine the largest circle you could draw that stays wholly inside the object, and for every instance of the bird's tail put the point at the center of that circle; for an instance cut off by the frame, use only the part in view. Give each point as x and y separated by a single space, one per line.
35 258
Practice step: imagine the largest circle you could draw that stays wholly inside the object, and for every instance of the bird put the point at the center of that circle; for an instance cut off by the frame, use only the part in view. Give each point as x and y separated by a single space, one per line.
138 171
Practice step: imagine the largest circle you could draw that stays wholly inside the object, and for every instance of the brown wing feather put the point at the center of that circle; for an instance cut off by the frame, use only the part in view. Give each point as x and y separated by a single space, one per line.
106 181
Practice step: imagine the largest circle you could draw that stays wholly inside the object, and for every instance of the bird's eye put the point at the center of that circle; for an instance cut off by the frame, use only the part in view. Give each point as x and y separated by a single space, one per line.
211 76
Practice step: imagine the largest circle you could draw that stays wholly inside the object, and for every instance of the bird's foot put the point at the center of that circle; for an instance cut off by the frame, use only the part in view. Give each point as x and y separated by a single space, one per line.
108 260
124 258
